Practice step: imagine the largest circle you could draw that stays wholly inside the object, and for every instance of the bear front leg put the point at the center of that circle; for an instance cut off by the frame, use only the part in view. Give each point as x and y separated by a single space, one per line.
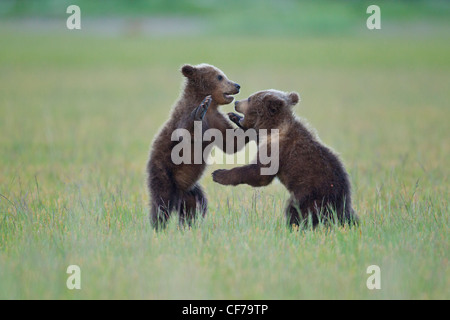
200 111
250 174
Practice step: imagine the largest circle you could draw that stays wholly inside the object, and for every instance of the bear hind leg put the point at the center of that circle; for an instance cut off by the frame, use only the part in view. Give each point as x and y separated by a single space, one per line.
302 213
191 203
292 213
160 213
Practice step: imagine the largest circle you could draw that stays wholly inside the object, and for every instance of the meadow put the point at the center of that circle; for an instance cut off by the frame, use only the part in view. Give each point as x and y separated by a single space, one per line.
78 114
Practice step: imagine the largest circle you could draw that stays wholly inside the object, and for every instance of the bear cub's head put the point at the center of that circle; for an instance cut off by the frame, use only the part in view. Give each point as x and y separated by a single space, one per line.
266 109
209 80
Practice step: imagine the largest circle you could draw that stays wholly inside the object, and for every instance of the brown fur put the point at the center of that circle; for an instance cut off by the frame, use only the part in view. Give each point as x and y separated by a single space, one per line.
313 174
175 187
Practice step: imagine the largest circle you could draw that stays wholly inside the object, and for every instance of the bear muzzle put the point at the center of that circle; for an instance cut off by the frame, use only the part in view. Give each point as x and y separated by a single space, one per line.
240 106
235 90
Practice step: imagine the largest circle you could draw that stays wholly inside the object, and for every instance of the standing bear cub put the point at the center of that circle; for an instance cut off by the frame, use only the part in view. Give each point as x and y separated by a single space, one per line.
174 186
313 174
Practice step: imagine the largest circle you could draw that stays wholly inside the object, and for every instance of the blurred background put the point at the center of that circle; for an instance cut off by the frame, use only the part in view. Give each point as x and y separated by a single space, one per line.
233 17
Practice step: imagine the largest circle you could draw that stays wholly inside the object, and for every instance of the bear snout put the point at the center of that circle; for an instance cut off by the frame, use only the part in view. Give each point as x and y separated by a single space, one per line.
236 106
235 88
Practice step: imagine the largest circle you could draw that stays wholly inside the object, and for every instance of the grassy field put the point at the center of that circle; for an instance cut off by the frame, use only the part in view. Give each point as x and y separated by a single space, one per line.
77 116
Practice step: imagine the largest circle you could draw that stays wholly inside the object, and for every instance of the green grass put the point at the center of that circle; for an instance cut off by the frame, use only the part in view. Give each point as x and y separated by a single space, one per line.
77 115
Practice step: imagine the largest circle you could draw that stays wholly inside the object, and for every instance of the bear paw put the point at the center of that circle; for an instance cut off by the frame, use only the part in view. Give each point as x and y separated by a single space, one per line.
221 176
200 111
235 118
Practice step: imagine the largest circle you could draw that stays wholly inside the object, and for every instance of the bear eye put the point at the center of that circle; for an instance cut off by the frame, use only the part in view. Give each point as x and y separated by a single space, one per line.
220 77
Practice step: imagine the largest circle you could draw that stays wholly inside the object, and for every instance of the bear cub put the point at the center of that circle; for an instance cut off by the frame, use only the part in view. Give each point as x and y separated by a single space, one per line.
313 174
175 187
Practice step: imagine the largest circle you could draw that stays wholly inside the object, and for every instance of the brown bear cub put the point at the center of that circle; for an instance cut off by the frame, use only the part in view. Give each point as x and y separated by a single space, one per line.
174 186
313 174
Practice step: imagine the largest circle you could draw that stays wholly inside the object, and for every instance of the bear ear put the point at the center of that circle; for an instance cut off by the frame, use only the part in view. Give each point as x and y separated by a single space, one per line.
188 71
273 103
294 98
